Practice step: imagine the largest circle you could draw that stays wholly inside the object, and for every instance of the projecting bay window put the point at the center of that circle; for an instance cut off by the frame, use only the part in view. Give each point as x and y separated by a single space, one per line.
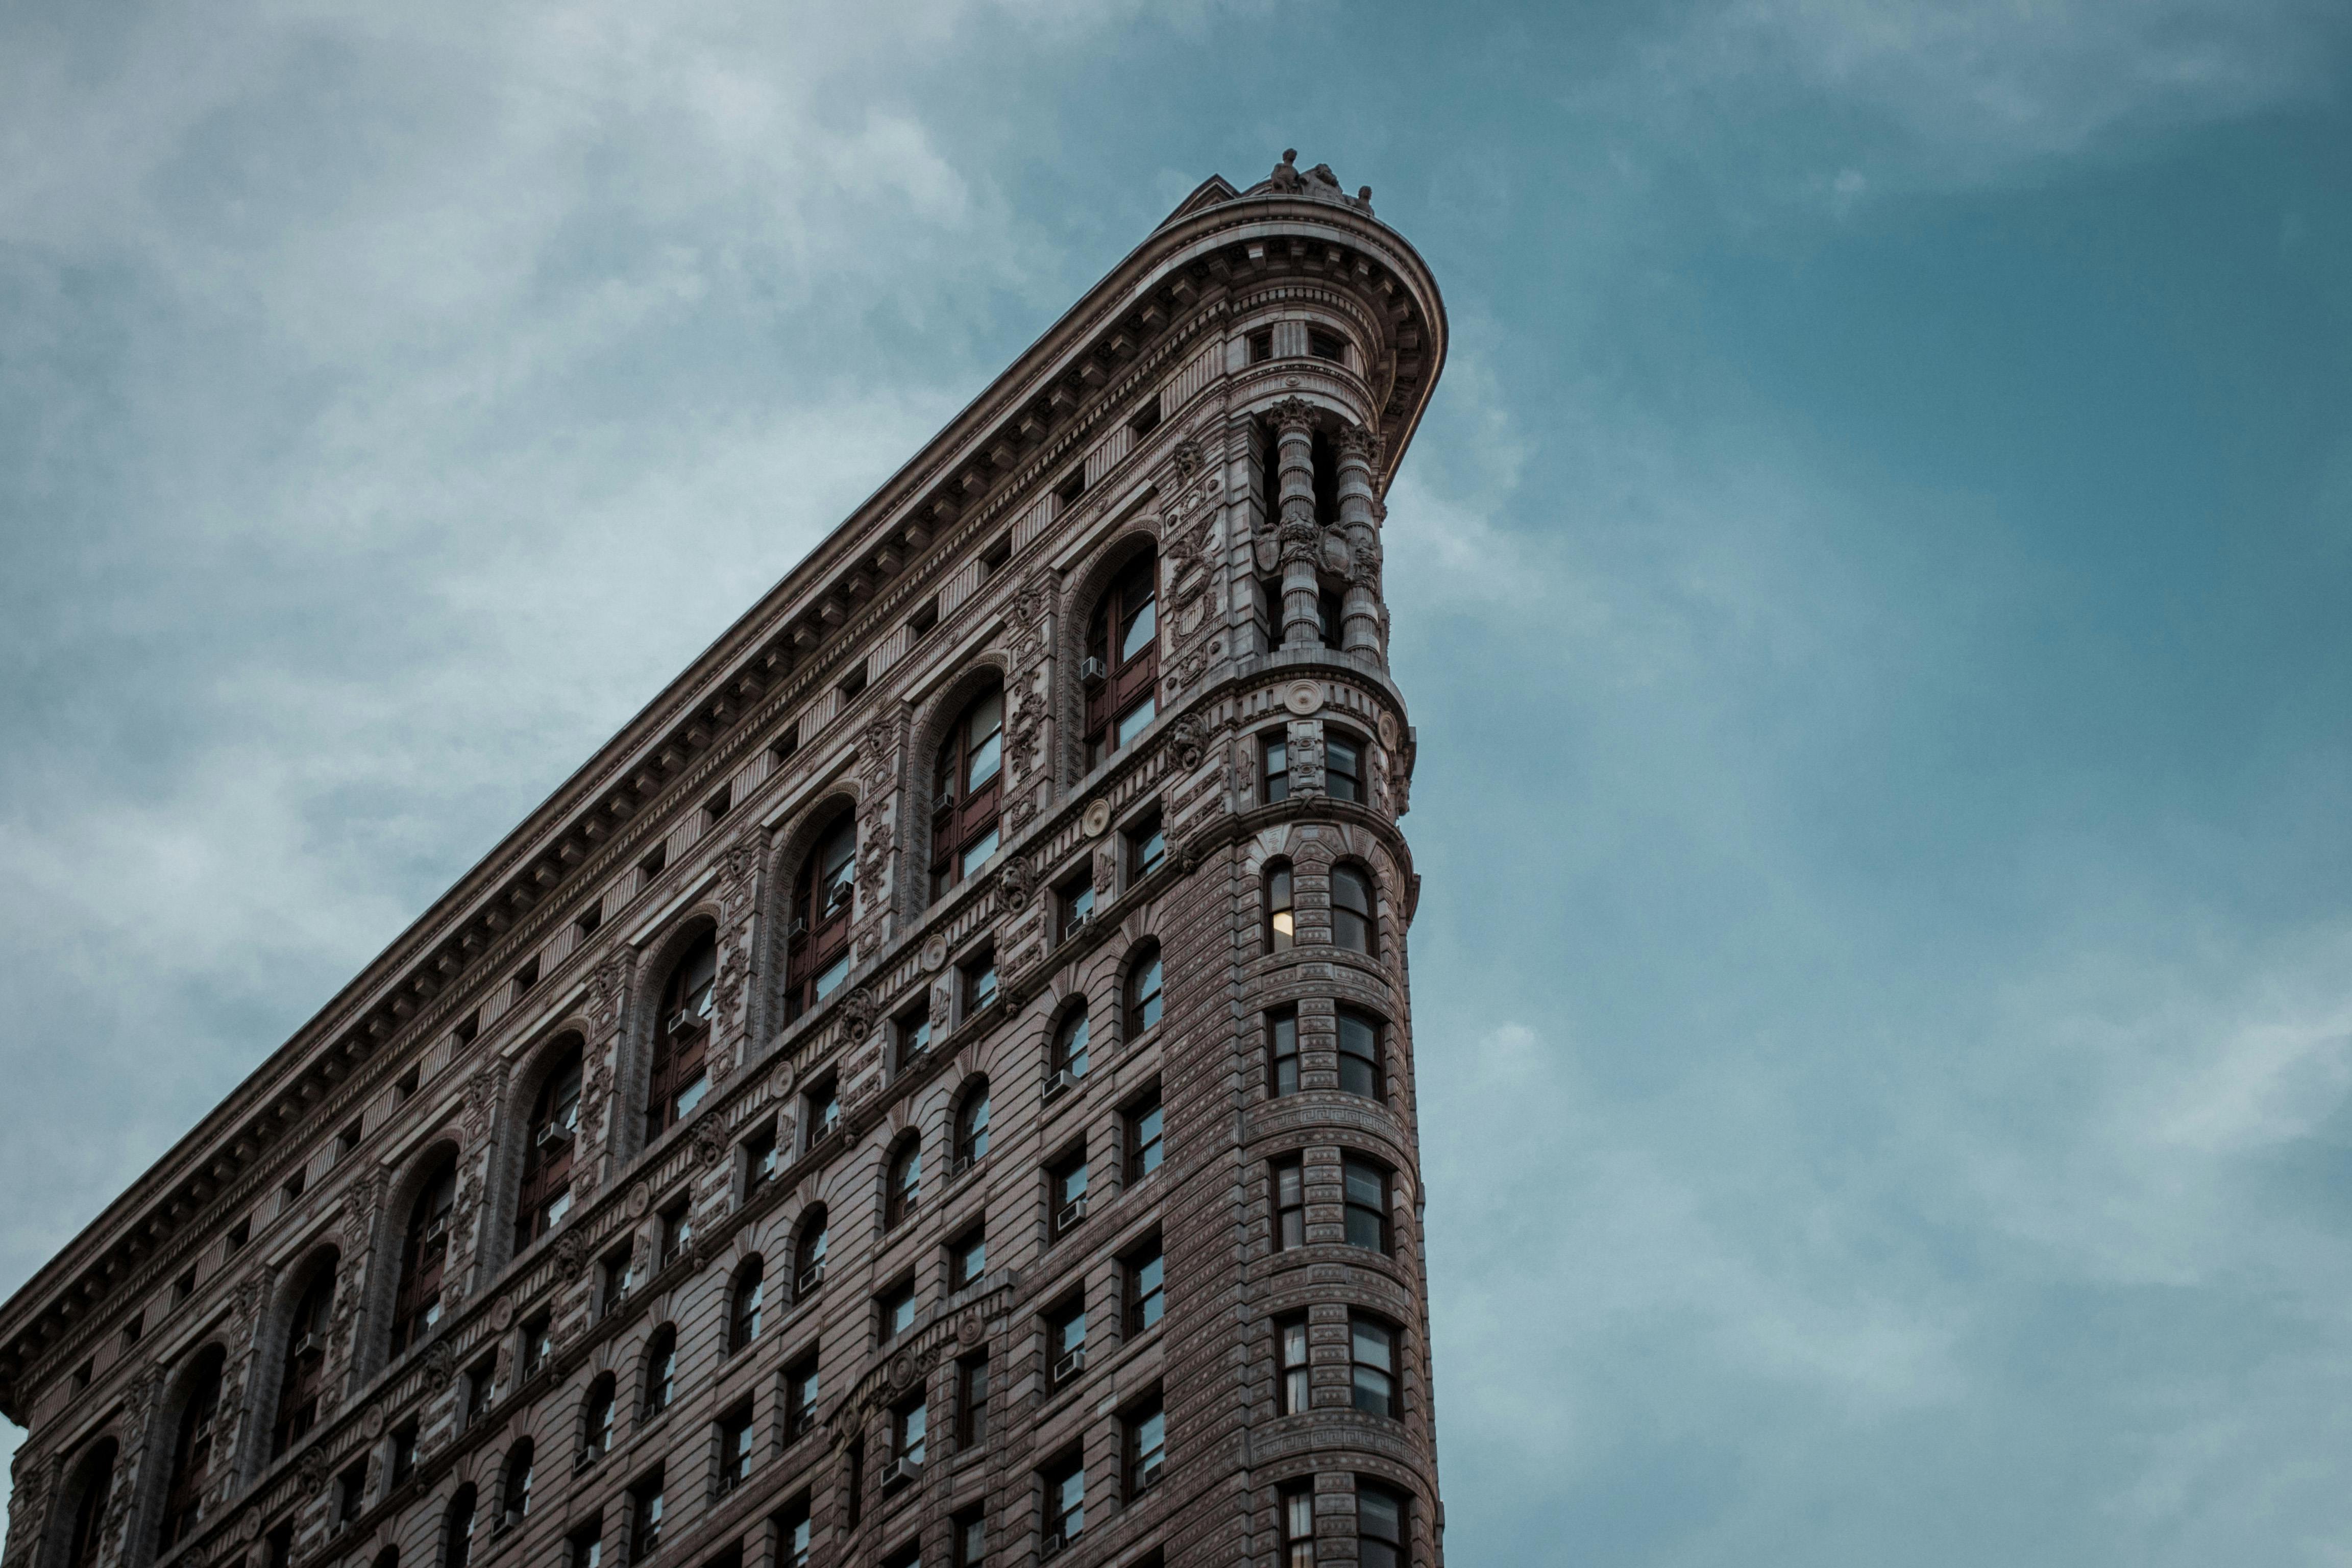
816 943
1121 668
966 791
548 1139
681 1066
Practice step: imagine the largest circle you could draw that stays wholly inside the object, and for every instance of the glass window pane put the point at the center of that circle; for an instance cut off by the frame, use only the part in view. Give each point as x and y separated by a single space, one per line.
1133 722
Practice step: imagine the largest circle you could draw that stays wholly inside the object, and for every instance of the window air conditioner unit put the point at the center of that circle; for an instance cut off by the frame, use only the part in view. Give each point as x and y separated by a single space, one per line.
1094 672
944 801
1055 1543
437 1228
811 1277
1060 1082
1147 1474
1078 920
837 897
963 1163
1070 1364
554 1135
308 1344
902 1471
1072 1212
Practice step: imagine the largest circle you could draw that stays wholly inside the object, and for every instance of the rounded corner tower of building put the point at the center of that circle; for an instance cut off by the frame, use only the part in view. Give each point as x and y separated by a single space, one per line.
935 1088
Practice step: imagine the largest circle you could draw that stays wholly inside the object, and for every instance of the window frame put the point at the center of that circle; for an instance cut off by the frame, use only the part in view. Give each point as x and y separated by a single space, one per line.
1389 1405
543 1192
1274 754
1366 921
1293 1365
1143 990
1373 1063
1128 680
1352 1207
966 814
822 901
683 1026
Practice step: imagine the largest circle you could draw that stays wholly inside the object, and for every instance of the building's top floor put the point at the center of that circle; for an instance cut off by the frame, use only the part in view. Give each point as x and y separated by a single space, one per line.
1047 435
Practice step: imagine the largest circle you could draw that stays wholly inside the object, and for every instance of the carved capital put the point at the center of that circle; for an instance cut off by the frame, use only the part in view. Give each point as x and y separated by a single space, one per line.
1292 413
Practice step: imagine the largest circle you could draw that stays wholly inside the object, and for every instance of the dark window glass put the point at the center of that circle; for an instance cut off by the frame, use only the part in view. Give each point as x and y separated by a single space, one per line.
1147 1295
808 1260
795 1535
94 1480
761 1159
548 1139
966 791
514 1490
1290 1346
1289 1205
800 1398
1373 1354
1274 761
458 1530
1367 1205
902 1191
980 982
1078 906
1298 1526
735 1449
971 1127
1380 1526
1147 847
1147 1445
1143 998
969 1534
972 1401
1143 1140
909 1428
1067 1184
1343 767
303 1372
1351 909
750 1288
585 1548
596 1434
1120 670
646 1538
676 1232
1282 1050
967 1258
1066 1503
1069 1052
681 1070
897 1310
661 1369
1065 1340
816 943
423 1254
1359 1056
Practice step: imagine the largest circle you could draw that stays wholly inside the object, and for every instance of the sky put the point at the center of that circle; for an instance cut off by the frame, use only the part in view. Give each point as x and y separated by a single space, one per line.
1871 587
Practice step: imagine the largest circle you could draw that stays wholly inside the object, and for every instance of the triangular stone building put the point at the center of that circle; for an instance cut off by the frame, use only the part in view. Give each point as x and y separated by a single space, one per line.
936 1088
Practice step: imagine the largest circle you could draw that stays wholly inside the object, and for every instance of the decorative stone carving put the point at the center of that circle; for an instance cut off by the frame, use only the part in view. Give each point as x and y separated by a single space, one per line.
1097 818
1187 741
1292 413
942 1009
710 1144
935 954
641 1198
571 1256
1187 458
858 1010
502 1315
1303 697
1304 755
311 1470
738 876
1015 884
607 983
1300 539
373 1423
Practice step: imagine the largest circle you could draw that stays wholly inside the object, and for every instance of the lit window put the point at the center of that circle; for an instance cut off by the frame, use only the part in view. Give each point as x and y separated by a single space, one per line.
1281 922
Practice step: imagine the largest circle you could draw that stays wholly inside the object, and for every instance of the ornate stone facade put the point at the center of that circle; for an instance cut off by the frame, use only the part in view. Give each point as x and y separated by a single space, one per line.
1163 1302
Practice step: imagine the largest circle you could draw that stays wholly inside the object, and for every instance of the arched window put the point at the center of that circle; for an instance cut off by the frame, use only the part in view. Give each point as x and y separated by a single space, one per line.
388 1558
971 1127
1281 928
596 1419
808 1253
304 1367
194 1448
423 1254
744 1303
1143 990
458 1529
966 790
1069 1052
661 1369
1122 661
681 1070
902 1191
549 1137
514 1486
94 1488
816 946
1351 909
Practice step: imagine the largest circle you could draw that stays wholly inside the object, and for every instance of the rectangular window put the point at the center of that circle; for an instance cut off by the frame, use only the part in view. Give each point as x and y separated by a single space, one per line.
734 1448
1147 1445
584 1548
914 1031
908 1556
676 1232
651 866
1289 1205
590 918
853 683
909 1426
403 1452
1343 767
1143 1140
1380 1526
1261 346
968 1532
856 1482
761 1162
351 1493
468 1027
718 806
972 1401
1068 492
619 1271
1359 1056
1291 1387
346 1141
293 1190
646 1527
920 625
1077 900
794 1534
1147 847
1065 1340
1147 1295
481 1386
133 1329
1282 1051
1373 1354
800 1399
993 559
968 1258
1065 1185
980 981
1298 1526
1367 1205
780 752
525 978
1274 767
404 1090
1325 345
537 1344
238 1234
1147 418
1066 1503
184 1286
821 1109
894 1311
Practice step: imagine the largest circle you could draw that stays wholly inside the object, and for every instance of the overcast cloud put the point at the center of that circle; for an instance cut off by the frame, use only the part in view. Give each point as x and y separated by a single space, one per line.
1872 587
